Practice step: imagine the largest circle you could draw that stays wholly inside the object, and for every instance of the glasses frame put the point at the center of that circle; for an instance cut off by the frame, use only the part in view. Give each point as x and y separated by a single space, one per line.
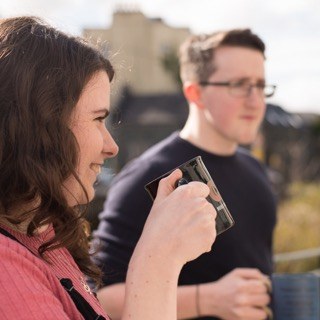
232 85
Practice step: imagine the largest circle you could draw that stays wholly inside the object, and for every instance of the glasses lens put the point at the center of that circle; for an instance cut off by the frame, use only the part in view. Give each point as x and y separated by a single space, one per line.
269 91
239 89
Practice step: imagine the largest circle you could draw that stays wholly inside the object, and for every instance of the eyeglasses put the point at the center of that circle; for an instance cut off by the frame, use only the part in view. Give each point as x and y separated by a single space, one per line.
240 88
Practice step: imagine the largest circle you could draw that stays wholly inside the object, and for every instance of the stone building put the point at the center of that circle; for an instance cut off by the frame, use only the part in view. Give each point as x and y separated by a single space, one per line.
138 47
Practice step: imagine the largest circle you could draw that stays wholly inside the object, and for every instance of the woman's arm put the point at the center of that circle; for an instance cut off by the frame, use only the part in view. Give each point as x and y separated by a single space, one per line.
180 227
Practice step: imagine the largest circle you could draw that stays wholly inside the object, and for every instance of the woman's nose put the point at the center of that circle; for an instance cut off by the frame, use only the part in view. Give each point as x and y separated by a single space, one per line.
110 148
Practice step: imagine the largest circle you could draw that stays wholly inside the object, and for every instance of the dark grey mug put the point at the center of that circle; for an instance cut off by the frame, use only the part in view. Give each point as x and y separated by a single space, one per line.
195 170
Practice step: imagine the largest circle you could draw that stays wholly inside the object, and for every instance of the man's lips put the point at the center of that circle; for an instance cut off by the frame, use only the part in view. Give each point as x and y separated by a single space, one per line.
248 117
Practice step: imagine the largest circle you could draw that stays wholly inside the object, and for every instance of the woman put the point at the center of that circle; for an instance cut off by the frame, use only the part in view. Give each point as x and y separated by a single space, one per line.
55 96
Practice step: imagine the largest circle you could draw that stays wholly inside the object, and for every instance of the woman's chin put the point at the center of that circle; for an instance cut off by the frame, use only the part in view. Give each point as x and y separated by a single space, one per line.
81 199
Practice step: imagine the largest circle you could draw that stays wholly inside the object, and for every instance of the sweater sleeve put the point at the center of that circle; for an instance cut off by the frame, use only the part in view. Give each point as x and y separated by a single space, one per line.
26 291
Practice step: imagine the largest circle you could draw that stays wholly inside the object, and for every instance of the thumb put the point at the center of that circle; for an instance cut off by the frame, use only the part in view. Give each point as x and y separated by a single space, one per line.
167 185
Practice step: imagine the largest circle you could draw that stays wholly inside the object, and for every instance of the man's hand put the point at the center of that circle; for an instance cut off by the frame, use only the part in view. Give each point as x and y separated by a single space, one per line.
242 294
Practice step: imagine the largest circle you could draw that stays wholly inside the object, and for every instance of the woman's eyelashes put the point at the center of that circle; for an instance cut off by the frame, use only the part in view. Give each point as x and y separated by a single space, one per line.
101 119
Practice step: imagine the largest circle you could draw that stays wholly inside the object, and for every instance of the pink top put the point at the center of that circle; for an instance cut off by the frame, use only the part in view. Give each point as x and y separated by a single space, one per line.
30 287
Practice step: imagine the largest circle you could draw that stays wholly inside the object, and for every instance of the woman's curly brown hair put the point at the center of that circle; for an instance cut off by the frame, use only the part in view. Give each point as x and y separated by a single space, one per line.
43 72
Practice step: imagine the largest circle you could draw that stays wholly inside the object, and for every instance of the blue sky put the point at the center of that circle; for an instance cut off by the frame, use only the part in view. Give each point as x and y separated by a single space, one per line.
290 28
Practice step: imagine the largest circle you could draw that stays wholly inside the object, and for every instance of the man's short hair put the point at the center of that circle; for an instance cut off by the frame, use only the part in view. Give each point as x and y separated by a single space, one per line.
197 52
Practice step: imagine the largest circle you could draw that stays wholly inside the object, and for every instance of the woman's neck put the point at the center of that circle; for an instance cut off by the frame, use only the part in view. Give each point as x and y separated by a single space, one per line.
23 226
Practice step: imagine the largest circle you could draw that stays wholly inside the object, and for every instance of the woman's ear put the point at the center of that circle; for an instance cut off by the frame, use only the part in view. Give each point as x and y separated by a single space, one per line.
193 93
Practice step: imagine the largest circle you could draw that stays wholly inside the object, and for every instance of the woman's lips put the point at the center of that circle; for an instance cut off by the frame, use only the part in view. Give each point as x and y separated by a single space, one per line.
96 168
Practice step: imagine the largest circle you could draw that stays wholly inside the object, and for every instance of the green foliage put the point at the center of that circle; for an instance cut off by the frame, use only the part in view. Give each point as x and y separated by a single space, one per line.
170 63
315 128
298 226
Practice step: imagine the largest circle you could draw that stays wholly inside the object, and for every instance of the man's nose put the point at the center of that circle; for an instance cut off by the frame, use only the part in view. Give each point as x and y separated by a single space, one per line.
255 96
253 88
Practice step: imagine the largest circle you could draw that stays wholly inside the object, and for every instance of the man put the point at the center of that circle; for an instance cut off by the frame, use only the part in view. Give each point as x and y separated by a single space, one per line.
224 83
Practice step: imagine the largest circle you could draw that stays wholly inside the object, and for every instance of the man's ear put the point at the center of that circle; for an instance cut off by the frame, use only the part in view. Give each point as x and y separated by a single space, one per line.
192 92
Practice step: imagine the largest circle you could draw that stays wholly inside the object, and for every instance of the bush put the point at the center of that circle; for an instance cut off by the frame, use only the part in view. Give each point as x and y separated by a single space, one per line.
298 226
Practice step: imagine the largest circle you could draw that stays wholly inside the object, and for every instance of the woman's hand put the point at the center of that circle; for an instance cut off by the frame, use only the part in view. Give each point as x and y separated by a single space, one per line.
181 223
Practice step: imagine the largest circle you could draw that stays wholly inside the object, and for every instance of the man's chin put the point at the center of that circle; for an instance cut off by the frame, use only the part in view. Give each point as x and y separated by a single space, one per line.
247 140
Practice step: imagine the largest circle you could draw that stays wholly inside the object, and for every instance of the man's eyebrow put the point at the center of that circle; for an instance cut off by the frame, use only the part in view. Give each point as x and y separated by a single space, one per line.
248 79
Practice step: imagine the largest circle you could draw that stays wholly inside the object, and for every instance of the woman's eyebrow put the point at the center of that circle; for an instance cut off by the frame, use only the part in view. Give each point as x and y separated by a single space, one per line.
103 111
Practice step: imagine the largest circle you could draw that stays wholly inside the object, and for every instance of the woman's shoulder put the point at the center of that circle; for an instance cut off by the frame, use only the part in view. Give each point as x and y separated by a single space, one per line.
28 290
14 255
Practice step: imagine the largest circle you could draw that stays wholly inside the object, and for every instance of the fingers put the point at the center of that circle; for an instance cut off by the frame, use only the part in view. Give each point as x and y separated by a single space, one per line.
249 273
167 185
255 274
258 303
193 189
269 313
246 290
252 313
253 306
185 215
252 295
256 286
256 300
267 283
